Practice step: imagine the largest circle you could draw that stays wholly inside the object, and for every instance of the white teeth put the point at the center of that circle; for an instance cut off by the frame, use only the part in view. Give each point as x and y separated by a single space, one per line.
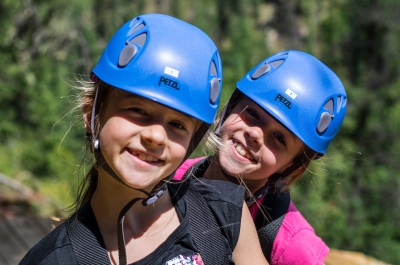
151 158
145 157
242 151
142 156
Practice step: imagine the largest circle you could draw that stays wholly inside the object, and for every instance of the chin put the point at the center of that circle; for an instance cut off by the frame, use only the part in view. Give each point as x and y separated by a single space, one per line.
141 186
229 169
136 183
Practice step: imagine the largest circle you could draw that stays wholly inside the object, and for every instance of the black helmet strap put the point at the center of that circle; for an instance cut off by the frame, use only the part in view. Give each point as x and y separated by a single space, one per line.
274 179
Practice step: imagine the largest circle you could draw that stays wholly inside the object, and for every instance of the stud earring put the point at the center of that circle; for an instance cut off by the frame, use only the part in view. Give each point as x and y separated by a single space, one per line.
96 144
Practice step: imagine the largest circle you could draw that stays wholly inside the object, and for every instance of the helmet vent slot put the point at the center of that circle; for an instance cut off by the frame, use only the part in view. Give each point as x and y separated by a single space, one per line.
344 101
133 30
329 105
213 69
339 101
133 22
326 116
324 122
126 55
140 39
277 63
262 70
281 54
215 87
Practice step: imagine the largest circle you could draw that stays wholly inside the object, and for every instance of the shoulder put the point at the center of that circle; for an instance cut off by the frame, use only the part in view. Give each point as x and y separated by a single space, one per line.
52 249
294 221
223 199
218 190
210 190
213 192
296 241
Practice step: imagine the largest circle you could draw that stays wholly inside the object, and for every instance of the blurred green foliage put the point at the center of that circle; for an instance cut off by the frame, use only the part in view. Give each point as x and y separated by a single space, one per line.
351 196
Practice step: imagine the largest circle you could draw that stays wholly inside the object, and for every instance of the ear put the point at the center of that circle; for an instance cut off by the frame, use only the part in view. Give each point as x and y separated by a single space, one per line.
87 113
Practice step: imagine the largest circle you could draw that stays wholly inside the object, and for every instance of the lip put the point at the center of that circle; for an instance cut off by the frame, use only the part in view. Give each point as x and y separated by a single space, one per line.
239 156
144 157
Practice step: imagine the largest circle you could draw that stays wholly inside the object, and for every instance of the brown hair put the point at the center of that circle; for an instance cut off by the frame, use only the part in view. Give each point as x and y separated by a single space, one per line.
300 164
85 101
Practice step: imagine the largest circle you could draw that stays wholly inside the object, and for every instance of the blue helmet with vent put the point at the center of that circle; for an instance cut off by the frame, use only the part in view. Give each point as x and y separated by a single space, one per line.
166 60
301 93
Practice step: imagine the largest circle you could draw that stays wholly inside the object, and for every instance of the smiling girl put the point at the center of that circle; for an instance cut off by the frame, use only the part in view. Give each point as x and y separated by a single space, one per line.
152 96
283 115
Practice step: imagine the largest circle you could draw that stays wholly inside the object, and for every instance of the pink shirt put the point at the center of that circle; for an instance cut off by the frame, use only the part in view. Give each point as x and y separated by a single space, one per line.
296 242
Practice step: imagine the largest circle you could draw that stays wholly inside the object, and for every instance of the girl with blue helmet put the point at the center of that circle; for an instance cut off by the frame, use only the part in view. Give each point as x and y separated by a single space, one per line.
152 97
283 115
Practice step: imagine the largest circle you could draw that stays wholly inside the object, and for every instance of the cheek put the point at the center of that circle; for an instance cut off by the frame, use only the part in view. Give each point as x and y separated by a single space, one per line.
269 159
178 153
226 130
179 144
113 131
284 162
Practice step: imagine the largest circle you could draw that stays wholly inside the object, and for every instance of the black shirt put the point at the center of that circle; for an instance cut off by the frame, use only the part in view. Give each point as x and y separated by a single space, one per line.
79 238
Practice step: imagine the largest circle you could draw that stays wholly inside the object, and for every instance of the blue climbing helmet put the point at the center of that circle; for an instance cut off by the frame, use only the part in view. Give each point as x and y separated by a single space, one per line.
166 60
301 93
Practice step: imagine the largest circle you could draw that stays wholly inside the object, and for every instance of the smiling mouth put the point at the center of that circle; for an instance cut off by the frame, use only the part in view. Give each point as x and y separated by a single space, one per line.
145 157
243 151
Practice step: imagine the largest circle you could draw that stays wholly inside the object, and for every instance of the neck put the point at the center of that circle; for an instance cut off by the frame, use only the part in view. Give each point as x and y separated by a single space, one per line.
110 197
214 171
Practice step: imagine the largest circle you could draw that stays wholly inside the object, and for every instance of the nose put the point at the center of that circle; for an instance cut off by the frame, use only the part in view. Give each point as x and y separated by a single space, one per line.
154 135
254 135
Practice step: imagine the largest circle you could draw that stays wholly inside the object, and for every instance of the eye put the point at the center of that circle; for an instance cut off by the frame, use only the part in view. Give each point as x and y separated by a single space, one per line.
280 138
138 110
253 113
177 125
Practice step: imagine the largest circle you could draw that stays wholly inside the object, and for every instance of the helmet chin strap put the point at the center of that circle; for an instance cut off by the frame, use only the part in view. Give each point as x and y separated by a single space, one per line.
273 180
151 198
121 218
96 148
256 195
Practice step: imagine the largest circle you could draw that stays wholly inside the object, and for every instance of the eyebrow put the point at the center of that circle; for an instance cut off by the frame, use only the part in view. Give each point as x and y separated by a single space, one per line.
126 95
141 99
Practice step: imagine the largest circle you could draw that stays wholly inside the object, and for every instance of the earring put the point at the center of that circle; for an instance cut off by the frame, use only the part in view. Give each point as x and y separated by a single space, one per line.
96 144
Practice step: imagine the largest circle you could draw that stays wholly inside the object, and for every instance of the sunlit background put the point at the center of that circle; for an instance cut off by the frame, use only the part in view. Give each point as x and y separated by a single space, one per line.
351 196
